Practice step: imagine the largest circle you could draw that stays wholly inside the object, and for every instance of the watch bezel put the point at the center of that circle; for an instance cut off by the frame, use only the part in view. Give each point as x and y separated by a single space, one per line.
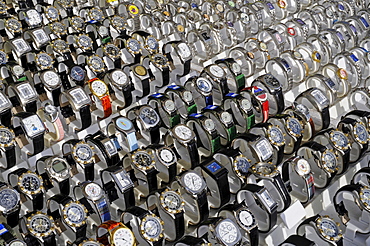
180 206
68 221
38 234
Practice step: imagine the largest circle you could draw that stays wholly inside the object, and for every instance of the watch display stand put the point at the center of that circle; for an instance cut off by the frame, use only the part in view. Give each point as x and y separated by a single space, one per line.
32 159
351 236
6 172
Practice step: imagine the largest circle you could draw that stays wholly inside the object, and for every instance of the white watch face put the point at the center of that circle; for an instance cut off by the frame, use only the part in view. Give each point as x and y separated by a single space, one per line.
152 43
246 218
84 41
339 139
169 105
17 243
21 45
18 70
228 232
183 132
123 237
236 68
188 97
320 97
167 156
303 167
217 71
99 87
33 17
75 213
96 14
151 227
193 181
33 125
123 180
119 77
226 117
4 101
361 132
134 45
328 228
52 13
41 36
246 104
103 31
171 200
83 153
110 147
204 85
51 78
26 91
184 50
79 96
264 148
93 190
44 60
209 125
267 198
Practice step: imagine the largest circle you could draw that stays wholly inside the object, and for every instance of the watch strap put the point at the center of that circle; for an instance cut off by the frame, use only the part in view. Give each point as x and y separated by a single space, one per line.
10 156
38 144
12 218
107 106
298 240
55 94
6 117
50 240
193 153
85 117
31 107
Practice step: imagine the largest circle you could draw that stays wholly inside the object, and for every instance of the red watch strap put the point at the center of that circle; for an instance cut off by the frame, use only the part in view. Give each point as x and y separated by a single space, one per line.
265 110
108 225
107 106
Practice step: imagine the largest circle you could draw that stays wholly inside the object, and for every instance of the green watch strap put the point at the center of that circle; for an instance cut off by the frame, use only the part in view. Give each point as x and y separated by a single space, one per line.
250 121
174 120
106 40
231 133
240 80
215 144
192 109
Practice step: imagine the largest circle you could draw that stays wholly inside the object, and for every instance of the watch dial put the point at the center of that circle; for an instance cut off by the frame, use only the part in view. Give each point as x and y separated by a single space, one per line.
204 85
51 78
264 148
17 243
4 101
187 96
79 96
13 25
44 60
236 68
41 36
228 232
265 169
58 28
112 51
217 71
119 77
59 166
96 63
265 195
6 136
84 42
209 125
142 159
184 50
33 18
149 115
77 23
167 156
320 97
134 45
365 196
242 165
361 132
26 91
96 14
123 123
59 45
245 104
303 167
118 22
276 135
93 190
246 218
52 13
330 160
339 139
171 200
328 227
123 237
33 125
40 223
83 152
9 198
75 213
18 70
183 132
77 73
152 43
3 57
103 31
226 117
160 60
30 182
123 180
193 181
294 126
99 87
151 227
169 105
110 147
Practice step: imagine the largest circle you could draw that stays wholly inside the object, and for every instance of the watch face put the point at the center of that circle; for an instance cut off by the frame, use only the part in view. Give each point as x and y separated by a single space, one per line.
264 169
303 167
44 60
118 22
167 156
209 125
75 214
103 31
134 46
172 201
112 51
30 183
17 242
365 197
99 88
119 77
9 199
40 224
264 149
93 191
143 159
329 160
33 18
78 73
96 63
276 136
169 105
33 125
58 28
272 81
187 96
133 9
339 139
77 23
236 68
6 137
228 232
245 218
140 70
79 96
18 70
303 110
82 152
328 228
149 115
152 43
123 237
160 60
50 78
245 104
184 50
59 166
213 167
183 132
217 71
110 147
320 97
3 57
13 25
84 42
204 85
52 13
266 197
152 228
361 133
193 182
59 45
21 45
294 126
123 180
242 165
96 14
123 123
226 117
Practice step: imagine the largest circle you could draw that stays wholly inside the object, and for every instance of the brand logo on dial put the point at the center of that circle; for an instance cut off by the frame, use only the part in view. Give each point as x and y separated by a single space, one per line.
291 31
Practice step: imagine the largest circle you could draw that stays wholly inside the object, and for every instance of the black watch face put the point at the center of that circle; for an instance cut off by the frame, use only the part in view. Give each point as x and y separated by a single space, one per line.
83 152
160 60
112 50
272 81
142 158
40 223
9 198
30 182
77 73
6 136
149 115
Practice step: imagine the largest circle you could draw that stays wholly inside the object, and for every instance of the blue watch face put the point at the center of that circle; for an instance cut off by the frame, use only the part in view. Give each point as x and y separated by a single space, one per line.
78 73
328 227
276 135
294 126
340 139
213 167
204 85
123 123
361 132
330 160
242 165
8 198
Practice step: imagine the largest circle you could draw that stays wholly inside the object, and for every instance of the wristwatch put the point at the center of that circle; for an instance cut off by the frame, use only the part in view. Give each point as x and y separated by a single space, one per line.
193 188
203 91
282 71
147 227
183 53
116 180
74 214
297 176
327 230
339 142
233 70
184 100
49 113
100 89
124 130
54 170
169 205
113 233
143 78
360 195
106 147
91 195
217 76
244 218
259 99
30 185
8 147
31 126
261 204
10 207
318 104
166 109
329 86
23 94
323 161
122 84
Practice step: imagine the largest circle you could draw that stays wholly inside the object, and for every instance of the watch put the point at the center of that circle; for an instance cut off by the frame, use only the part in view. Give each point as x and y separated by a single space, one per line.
10 204
23 94
50 86
259 99
105 146
297 176
166 109
166 162
143 76
329 86
33 129
182 52
161 64
183 98
203 90
115 233
282 71
39 228
326 229
8 147
122 84
124 130
49 113
100 89
217 76
232 67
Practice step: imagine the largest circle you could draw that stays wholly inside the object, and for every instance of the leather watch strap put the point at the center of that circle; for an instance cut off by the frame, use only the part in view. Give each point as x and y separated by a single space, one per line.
107 106
6 117
10 156
38 144
85 117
